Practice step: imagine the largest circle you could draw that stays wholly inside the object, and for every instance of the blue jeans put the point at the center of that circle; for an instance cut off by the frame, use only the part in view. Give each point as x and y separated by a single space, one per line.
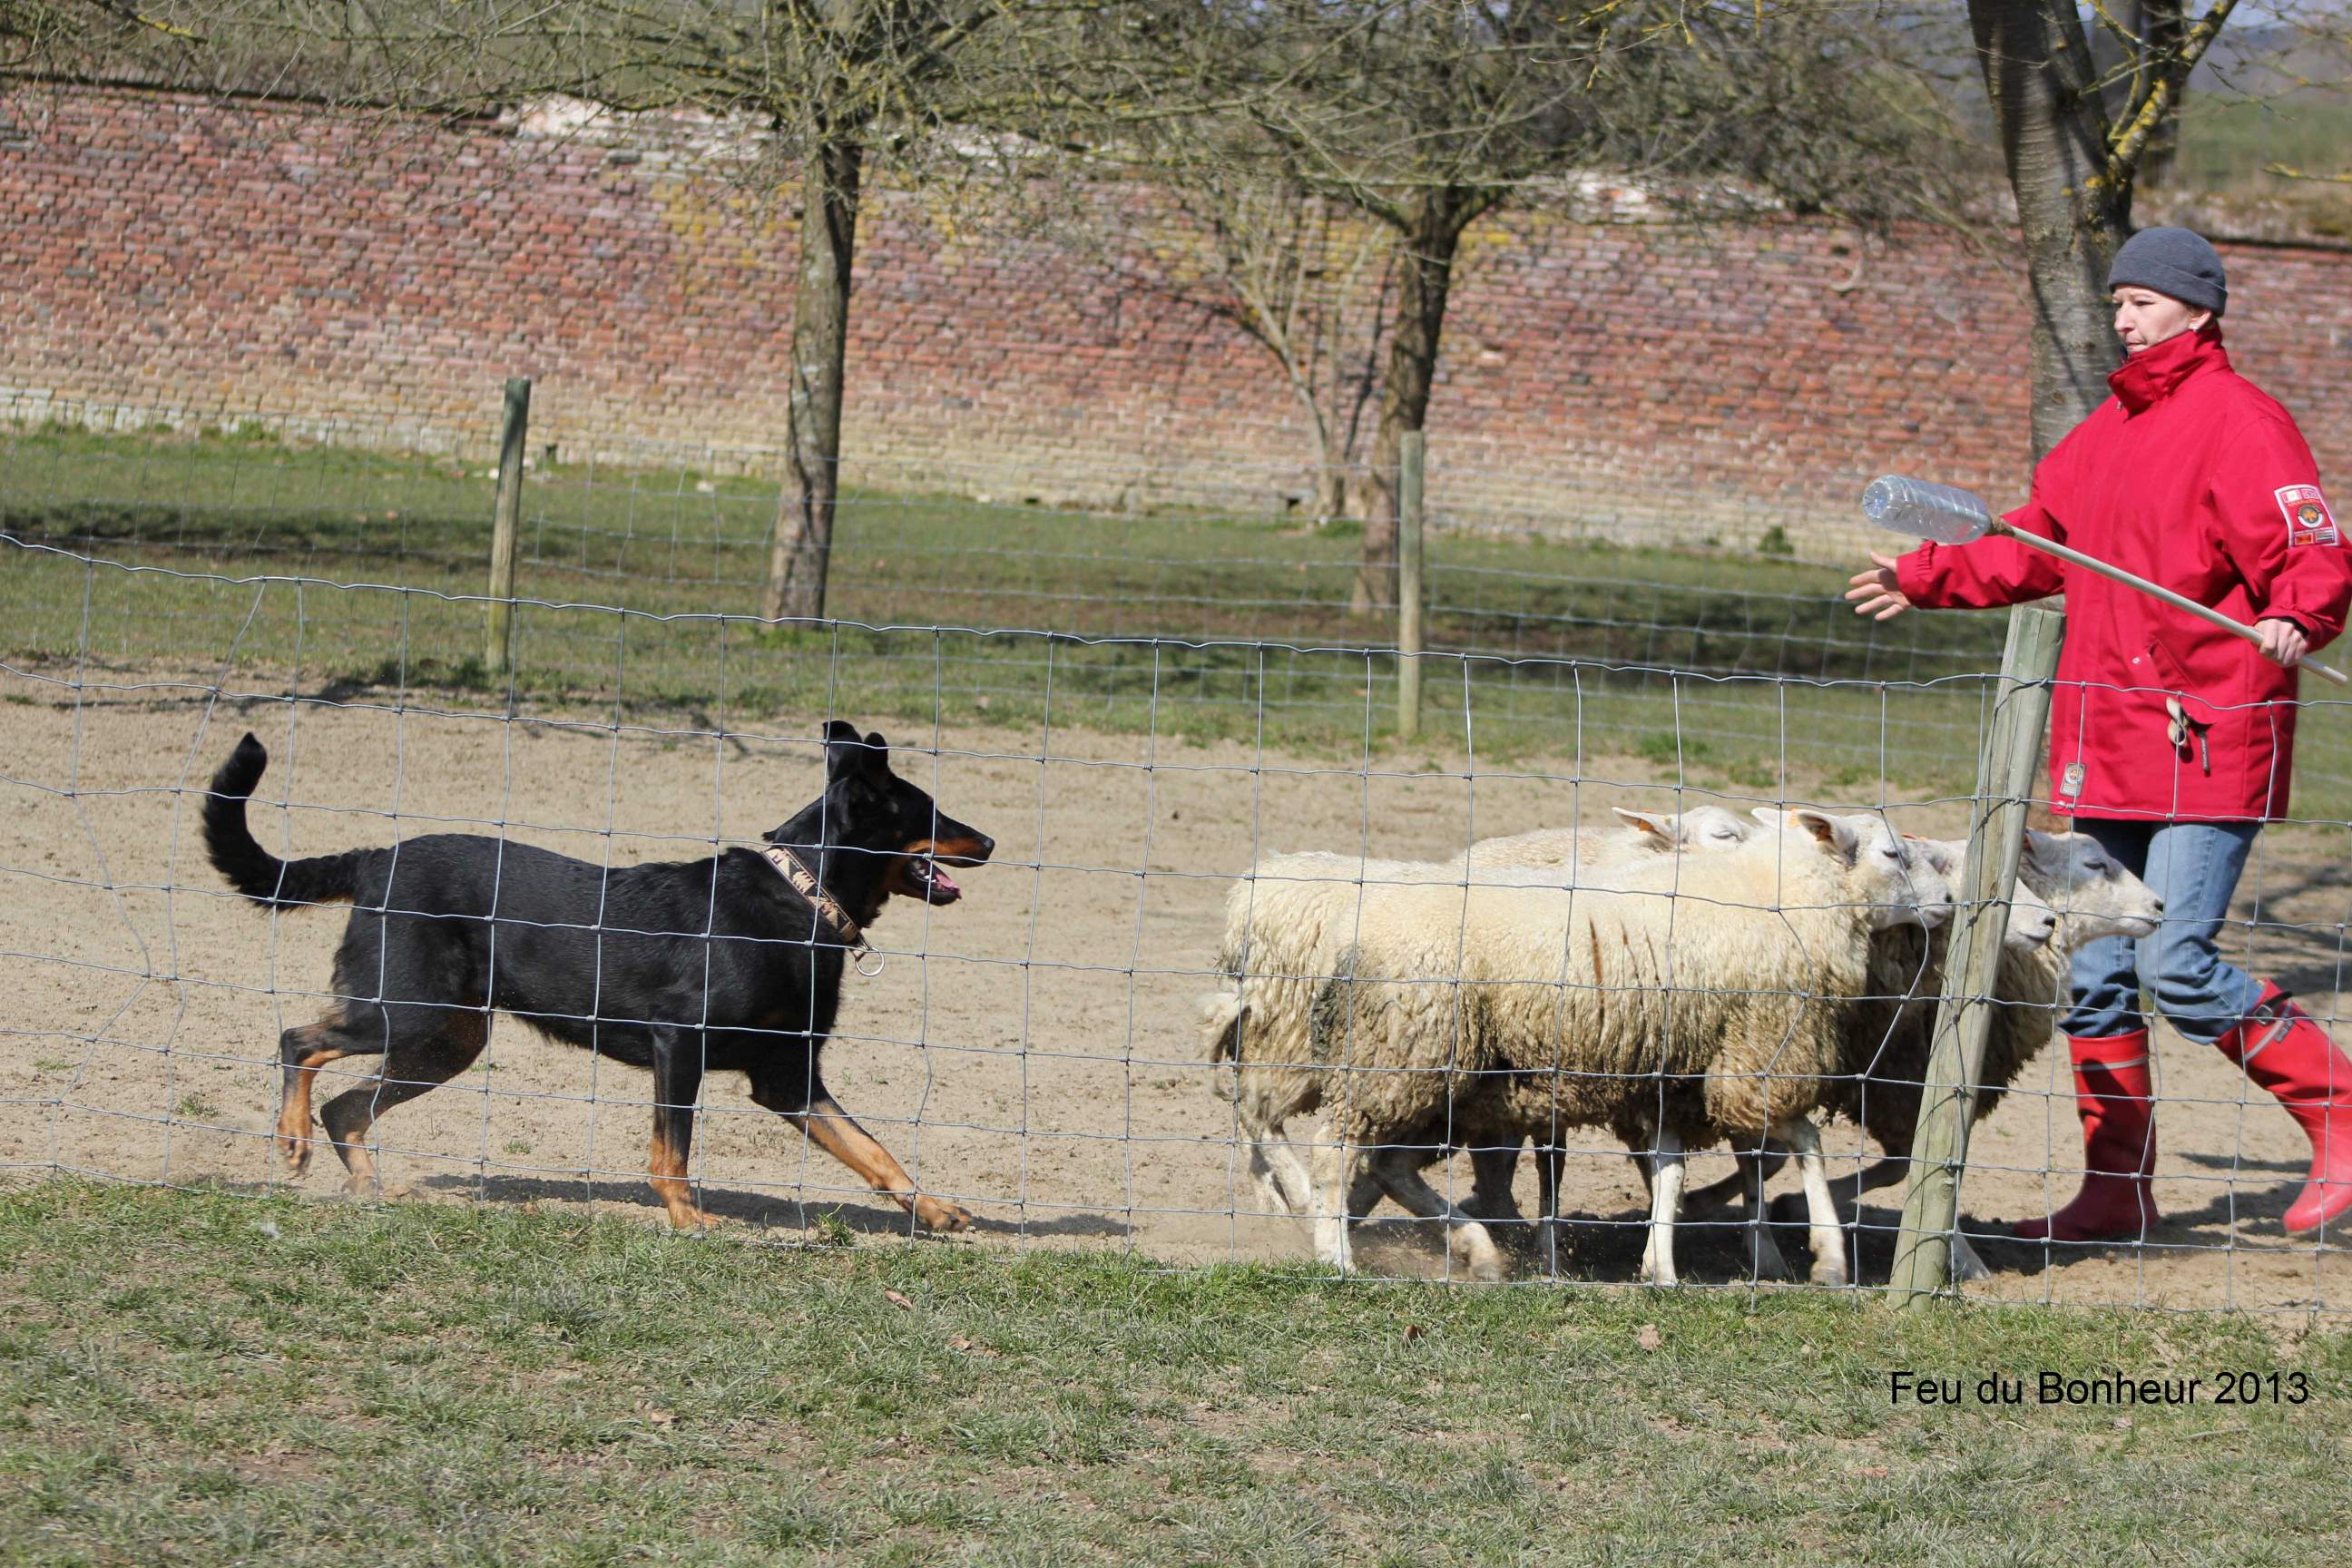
2194 868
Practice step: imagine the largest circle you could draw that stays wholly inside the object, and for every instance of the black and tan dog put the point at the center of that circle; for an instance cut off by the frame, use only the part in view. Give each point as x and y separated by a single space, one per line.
731 964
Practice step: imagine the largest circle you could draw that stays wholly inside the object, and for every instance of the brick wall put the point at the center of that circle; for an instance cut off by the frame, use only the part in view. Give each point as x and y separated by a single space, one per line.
170 259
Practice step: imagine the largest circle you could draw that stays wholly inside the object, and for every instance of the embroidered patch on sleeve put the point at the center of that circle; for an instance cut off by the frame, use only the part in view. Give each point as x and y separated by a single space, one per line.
2307 519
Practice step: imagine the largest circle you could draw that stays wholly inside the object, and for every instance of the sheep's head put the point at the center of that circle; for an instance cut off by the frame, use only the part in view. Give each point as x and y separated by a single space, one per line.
2093 894
1901 887
2032 923
1703 827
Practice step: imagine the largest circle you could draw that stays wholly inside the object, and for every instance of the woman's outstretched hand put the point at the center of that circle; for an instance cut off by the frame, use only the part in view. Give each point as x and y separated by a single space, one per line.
1876 593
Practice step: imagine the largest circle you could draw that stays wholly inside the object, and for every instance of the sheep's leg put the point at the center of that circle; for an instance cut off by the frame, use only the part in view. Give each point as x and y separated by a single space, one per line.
1547 1165
1493 1168
1718 1192
1764 1259
1365 1185
1884 1173
1335 1165
1273 1163
1283 1175
1665 1208
1967 1266
1826 1233
1400 1175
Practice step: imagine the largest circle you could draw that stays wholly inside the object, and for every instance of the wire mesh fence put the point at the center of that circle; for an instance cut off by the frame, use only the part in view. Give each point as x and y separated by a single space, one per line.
1035 1051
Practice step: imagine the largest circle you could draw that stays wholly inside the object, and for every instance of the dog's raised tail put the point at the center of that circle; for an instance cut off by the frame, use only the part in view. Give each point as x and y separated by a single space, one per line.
272 883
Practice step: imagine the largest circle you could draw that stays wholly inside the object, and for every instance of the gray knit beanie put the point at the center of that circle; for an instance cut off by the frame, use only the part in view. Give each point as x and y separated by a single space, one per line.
2172 261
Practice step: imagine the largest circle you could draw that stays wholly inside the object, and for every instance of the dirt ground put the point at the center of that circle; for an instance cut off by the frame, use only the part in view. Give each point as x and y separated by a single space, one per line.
1032 1051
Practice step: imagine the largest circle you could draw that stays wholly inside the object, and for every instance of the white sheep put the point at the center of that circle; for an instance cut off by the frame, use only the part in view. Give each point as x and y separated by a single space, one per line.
1696 998
1287 920
2069 878
1903 960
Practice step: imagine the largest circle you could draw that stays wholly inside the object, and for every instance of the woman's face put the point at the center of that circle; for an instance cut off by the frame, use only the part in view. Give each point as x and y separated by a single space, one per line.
2145 318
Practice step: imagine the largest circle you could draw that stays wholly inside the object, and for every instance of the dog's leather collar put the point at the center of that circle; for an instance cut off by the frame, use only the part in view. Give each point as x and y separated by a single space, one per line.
788 866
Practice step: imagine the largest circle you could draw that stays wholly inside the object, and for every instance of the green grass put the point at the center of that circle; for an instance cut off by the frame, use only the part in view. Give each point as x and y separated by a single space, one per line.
2227 144
1185 624
1220 627
203 1378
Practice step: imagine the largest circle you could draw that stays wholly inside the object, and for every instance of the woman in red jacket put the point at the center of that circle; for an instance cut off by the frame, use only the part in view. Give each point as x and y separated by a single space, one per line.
2171 742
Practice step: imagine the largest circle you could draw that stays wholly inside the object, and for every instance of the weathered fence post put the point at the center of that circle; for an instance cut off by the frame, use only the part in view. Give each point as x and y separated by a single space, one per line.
506 534
2005 777
1410 468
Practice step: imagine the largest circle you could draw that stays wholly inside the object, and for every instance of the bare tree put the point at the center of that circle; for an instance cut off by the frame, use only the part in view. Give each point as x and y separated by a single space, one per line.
1304 278
818 88
1426 115
2073 165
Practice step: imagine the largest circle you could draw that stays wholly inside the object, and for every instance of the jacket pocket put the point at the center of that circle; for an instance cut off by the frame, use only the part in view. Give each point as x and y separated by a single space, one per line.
2189 721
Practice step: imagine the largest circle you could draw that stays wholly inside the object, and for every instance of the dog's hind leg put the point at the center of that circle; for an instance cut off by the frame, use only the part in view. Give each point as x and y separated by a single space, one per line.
802 1099
428 1046
677 1084
302 1052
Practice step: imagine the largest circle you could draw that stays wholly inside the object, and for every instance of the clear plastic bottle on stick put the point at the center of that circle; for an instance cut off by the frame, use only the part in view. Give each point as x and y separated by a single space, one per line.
1944 513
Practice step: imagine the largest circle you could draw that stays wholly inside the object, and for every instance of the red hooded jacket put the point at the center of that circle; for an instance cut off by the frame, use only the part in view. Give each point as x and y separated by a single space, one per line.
2190 477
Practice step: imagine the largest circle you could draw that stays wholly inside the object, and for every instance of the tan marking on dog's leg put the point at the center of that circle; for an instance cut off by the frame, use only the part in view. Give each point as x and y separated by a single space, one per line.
833 1130
666 1172
294 1140
361 1177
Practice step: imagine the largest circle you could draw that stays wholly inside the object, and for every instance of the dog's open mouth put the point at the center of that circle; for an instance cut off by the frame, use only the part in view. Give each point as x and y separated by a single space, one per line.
930 880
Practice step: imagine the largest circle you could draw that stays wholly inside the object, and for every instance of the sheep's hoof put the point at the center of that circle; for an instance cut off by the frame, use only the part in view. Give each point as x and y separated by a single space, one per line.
1965 1266
1476 1251
1765 1260
1486 1267
1548 1247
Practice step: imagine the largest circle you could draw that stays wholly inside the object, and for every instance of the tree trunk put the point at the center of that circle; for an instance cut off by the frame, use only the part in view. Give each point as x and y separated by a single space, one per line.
1331 480
2163 29
2053 133
1424 276
801 549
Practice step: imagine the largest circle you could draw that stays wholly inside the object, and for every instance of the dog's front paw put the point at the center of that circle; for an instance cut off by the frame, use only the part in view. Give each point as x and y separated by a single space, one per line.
935 1213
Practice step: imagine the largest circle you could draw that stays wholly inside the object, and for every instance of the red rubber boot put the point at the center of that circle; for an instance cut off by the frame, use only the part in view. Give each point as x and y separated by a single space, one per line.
2114 1092
2282 1049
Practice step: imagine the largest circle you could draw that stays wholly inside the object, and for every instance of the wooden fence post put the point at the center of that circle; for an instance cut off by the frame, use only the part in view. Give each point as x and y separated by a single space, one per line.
506 533
2005 780
1411 465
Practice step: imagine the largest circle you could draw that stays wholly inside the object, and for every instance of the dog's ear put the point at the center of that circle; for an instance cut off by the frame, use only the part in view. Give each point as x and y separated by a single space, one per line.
846 755
878 754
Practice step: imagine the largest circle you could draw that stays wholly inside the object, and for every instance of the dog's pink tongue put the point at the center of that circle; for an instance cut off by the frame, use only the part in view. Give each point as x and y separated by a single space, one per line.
940 875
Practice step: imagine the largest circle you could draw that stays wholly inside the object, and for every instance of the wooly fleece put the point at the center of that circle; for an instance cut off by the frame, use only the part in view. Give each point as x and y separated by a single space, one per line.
1883 1070
1291 918
1703 994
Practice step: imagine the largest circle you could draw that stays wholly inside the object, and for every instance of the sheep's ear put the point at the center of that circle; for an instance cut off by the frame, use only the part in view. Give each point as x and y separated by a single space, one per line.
1773 816
1943 856
1651 824
1834 836
2044 852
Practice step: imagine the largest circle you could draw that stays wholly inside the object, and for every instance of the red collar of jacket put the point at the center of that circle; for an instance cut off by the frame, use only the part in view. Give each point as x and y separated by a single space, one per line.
2154 374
